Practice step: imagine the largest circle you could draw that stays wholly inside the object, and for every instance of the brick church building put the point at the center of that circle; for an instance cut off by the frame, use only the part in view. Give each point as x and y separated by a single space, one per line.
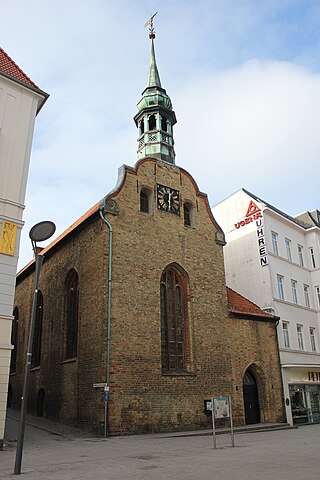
133 297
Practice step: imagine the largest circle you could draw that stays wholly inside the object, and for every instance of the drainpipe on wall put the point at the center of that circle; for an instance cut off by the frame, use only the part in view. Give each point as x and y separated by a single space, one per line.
108 206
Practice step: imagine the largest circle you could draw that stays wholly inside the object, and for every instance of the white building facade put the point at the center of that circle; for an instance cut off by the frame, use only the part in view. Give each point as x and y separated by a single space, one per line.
274 260
20 101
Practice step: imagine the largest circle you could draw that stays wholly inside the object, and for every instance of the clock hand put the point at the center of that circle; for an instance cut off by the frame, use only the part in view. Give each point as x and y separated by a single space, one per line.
169 200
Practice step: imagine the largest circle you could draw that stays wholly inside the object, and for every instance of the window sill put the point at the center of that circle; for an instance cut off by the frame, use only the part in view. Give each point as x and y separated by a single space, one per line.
35 369
69 360
177 374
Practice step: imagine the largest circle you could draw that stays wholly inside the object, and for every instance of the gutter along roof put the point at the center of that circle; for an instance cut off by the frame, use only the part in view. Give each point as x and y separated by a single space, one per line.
302 224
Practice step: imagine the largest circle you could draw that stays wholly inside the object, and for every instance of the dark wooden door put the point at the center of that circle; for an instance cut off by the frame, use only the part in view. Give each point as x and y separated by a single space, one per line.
251 399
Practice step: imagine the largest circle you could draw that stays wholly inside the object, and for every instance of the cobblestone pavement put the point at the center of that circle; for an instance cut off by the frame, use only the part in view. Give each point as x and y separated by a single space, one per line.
70 454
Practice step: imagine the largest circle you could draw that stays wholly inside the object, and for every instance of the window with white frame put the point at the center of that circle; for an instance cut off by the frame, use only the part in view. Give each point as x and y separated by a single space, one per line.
312 258
306 295
312 331
300 255
288 249
285 330
274 237
300 337
280 281
294 291
318 294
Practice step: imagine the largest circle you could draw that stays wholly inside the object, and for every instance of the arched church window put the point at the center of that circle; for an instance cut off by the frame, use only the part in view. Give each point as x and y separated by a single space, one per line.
174 331
142 127
71 314
14 340
37 333
145 200
152 122
188 214
164 124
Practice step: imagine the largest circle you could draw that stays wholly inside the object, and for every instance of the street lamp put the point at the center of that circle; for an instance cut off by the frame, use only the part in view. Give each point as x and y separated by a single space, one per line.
38 233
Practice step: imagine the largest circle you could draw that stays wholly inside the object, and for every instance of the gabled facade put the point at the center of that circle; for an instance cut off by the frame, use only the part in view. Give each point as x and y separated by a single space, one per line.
20 101
273 259
135 328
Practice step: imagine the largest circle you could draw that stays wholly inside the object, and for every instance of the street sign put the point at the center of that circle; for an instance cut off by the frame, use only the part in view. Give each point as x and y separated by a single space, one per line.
99 385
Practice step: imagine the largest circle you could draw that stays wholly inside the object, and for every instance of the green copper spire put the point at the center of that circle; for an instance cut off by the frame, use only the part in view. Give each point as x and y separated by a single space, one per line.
155 117
154 78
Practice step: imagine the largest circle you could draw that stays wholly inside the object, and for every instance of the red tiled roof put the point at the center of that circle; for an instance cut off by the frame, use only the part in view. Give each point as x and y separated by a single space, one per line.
239 304
8 66
72 227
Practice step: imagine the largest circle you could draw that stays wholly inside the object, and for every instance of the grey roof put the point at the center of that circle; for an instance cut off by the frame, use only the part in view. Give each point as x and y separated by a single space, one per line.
302 224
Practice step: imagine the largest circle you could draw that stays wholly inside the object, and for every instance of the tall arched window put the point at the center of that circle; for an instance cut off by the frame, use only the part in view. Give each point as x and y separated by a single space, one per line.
174 332
152 122
71 314
14 340
37 333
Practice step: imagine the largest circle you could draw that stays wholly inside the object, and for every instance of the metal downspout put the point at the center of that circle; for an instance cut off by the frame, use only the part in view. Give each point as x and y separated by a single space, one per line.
106 413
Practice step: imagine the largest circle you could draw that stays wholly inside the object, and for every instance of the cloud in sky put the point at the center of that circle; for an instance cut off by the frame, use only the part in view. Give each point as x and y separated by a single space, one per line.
243 76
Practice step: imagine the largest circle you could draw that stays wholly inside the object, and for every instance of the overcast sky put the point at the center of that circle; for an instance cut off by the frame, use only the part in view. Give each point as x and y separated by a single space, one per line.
243 77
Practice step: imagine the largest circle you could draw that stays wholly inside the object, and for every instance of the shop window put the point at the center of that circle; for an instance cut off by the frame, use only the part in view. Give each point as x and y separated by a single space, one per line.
71 314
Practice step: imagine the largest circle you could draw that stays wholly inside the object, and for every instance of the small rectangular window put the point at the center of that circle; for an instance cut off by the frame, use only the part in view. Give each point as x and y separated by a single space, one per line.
274 237
300 254
300 337
318 294
306 295
312 257
288 249
280 287
312 339
285 330
294 291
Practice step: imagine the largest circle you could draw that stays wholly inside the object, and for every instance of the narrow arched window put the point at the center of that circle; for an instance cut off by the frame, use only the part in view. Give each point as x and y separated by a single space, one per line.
37 333
71 314
174 332
152 122
14 340
142 127
145 200
188 214
164 124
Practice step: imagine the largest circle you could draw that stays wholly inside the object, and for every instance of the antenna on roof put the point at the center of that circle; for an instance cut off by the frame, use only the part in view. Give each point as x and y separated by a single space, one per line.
151 29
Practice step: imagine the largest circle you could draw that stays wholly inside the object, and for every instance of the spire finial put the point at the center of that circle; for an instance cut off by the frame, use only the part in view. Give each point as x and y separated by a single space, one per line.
152 34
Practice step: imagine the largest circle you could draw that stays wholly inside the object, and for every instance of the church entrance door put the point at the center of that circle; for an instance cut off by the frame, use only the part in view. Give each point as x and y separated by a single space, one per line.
251 399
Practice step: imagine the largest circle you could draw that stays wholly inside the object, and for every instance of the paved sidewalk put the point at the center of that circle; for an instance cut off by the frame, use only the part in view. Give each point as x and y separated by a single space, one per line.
286 454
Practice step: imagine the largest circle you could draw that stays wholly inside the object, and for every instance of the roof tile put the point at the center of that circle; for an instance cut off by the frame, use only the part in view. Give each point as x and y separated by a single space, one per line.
8 66
239 304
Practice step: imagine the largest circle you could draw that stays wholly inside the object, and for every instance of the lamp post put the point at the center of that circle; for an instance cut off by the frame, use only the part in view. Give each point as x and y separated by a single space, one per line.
38 233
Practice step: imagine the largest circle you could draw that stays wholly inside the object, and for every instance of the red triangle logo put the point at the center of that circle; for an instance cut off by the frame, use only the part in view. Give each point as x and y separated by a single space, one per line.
252 209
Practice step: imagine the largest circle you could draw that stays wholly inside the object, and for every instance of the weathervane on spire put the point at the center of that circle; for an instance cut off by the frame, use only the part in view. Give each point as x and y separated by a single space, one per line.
151 28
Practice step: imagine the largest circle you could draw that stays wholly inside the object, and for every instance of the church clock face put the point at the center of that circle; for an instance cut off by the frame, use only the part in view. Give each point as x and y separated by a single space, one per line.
168 199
